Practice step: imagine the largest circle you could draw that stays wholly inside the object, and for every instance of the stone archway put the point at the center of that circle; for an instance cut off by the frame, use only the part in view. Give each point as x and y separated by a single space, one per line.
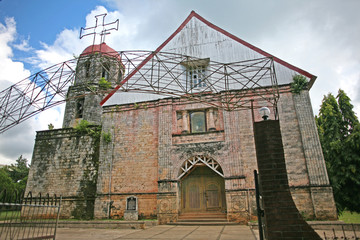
202 186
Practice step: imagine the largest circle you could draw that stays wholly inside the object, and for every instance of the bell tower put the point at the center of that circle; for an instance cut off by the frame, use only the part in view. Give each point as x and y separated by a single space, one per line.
98 70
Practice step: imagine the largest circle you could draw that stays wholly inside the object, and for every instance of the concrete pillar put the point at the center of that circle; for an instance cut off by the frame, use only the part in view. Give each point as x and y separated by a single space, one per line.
282 218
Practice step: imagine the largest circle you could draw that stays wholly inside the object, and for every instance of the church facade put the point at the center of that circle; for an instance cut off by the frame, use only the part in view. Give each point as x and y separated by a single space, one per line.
135 156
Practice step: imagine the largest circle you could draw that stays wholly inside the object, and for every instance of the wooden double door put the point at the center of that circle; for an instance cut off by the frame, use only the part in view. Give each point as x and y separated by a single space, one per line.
202 190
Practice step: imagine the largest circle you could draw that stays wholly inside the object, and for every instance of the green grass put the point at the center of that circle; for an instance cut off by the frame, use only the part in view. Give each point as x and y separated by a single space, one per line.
349 217
6 215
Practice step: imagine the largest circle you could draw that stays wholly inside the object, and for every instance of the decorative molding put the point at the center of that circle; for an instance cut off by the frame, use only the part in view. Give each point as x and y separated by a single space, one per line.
200 160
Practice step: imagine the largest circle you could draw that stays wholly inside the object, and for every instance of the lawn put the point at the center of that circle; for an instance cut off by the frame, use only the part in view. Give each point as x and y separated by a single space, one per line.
6 215
349 217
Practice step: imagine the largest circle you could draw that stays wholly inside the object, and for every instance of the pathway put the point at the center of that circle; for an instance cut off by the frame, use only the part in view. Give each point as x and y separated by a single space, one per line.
161 232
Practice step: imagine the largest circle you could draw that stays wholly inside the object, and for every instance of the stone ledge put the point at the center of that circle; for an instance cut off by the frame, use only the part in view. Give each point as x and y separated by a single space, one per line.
109 224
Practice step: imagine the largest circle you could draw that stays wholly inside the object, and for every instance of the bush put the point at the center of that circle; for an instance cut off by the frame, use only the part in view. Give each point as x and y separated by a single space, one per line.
298 84
103 83
107 137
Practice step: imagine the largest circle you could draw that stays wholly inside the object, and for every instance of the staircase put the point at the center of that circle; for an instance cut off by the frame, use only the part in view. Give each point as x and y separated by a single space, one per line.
202 219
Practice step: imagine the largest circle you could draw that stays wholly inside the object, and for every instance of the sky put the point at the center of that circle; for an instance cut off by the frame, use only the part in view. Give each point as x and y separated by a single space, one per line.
319 36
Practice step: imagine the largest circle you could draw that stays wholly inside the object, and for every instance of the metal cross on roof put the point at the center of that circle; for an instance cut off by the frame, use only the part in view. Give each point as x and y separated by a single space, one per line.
99 25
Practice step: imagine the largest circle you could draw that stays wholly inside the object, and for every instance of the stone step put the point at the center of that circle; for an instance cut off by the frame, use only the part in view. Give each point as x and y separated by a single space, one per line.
203 220
202 216
201 223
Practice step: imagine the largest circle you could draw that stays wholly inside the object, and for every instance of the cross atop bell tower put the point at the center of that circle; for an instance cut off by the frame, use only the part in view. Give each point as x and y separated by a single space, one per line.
101 28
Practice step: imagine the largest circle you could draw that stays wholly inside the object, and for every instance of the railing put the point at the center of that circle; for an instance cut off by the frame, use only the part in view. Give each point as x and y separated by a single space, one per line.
28 218
260 211
344 233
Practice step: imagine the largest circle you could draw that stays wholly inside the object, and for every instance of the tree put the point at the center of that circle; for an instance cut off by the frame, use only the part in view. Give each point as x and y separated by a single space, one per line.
339 132
349 119
20 170
14 177
6 181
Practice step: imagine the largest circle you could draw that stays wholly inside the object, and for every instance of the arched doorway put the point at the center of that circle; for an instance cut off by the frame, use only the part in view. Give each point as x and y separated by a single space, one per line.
202 186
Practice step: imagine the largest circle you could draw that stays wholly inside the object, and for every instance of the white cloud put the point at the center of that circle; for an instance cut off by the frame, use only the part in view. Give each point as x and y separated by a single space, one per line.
318 40
13 141
64 48
10 71
67 43
23 46
19 140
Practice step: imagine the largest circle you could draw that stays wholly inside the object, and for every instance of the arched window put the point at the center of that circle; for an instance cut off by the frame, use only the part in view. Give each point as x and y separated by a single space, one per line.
79 108
105 71
87 68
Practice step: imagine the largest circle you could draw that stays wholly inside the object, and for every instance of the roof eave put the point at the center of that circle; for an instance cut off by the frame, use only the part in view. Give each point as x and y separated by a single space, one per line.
312 81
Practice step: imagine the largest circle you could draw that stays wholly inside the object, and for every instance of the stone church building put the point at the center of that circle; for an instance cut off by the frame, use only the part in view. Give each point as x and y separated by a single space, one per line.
141 155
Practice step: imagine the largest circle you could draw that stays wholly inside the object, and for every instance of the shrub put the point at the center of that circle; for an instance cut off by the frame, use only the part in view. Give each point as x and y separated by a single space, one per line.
298 84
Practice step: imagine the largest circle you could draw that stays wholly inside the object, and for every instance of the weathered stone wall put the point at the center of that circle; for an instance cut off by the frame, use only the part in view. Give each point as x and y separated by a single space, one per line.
149 131
149 146
89 71
304 159
231 144
142 149
91 105
65 163
129 165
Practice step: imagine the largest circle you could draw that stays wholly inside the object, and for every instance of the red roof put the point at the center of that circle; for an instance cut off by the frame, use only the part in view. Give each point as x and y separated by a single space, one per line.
102 48
194 14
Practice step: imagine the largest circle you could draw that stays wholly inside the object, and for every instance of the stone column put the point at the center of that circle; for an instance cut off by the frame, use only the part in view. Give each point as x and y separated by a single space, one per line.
185 122
211 122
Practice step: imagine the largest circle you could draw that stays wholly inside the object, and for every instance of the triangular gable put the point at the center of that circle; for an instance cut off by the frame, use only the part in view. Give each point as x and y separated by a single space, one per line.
192 15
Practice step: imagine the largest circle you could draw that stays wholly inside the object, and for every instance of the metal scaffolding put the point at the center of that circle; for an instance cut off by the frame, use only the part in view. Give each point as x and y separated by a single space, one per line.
230 86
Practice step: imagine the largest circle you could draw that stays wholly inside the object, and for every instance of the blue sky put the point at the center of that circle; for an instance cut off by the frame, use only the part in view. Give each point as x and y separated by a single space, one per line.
319 36
43 20
39 21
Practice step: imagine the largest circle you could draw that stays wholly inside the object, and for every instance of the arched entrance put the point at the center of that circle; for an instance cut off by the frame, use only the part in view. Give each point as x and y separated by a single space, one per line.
202 186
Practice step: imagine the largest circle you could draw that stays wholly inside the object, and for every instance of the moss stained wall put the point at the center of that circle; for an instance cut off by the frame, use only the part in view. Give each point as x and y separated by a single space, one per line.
65 163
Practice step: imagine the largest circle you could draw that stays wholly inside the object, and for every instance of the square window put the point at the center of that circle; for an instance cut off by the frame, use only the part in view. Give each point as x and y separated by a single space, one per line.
198 121
196 73
196 77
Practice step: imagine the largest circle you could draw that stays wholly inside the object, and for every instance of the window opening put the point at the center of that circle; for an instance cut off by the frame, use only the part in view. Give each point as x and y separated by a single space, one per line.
196 73
196 76
80 107
197 122
87 68
105 71
120 76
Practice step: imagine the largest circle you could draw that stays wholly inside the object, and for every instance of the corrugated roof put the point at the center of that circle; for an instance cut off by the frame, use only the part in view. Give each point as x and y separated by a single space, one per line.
193 14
